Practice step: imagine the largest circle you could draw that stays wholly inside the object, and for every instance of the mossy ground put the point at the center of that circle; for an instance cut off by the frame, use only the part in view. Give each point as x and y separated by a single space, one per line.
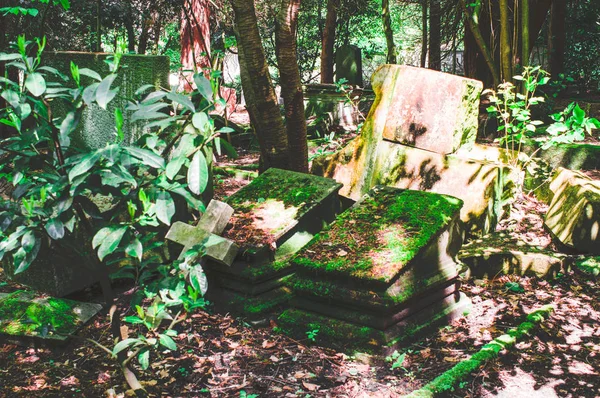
271 204
377 237
21 316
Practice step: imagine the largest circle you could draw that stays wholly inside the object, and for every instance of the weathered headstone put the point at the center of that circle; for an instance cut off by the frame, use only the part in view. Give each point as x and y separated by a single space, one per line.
441 110
206 233
321 99
98 125
573 217
27 318
348 65
275 215
382 272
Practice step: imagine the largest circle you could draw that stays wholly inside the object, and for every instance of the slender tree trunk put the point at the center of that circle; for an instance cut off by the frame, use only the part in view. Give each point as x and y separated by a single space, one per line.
130 31
505 50
389 33
473 24
557 34
258 89
143 41
195 35
328 42
538 17
435 35
3 44
99 26
425 37
291 84
525 47
156 31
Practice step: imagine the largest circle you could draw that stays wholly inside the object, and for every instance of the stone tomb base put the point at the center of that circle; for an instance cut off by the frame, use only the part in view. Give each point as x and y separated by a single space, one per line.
274 216
383 272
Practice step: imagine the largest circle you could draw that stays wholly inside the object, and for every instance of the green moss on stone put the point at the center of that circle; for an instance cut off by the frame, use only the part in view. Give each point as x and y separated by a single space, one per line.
589 265
21 316
380 234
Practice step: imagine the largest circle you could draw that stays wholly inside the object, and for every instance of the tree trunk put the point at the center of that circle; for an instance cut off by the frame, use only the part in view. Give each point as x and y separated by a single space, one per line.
389 33
143 42
3 44
505 50
557 34
258 89
477 37
130 31
291 84
99 26
195 35
328 42
525 47
425 37
435 35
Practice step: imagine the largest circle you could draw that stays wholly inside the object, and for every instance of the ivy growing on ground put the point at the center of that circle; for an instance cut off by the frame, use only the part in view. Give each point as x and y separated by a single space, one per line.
57 188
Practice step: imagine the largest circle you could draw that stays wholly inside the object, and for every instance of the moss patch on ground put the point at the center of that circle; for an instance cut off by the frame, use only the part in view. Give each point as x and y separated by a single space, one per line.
23 314
589 265
380 235
272 203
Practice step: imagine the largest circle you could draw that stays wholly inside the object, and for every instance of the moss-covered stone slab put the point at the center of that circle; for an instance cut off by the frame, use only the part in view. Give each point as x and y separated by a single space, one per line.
275 216
479 177
573 216
273 207
569 156
29 318
429 110
495 255
98 125
382 234
383 270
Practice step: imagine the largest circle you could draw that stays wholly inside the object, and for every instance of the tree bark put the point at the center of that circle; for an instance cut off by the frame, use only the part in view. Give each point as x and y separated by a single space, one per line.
557 34
143 42
525 47
130 30
3 44
425 37
328 42
291 84
435 35
98 26
388 31
258 89
505 50
476 35
195 35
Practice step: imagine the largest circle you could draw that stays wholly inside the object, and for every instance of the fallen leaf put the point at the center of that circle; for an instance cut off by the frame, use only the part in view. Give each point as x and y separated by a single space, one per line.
310 386
268 344
273 358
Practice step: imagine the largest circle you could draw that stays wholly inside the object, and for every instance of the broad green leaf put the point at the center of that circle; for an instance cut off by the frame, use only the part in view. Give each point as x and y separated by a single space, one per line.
165 207
135 249
182 100
147 157
200 121
198 279
144 359
167 342
9 57
579 114
104 94
174 166
90 73
203 86
123 344
86 163
55 228
133 319
36 84
198 173
28 241
89 93
100 236
111 242
119 121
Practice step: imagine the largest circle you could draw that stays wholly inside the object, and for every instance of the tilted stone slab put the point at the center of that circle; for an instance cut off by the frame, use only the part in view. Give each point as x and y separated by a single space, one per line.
427 109
382 264
483 185
573 217
28 318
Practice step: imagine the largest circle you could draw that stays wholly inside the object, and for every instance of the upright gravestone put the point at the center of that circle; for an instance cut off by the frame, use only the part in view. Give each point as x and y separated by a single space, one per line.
383 272
348 65
421 119
98 125
275 215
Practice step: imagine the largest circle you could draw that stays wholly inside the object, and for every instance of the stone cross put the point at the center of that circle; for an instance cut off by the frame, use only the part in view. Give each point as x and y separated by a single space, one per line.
213 222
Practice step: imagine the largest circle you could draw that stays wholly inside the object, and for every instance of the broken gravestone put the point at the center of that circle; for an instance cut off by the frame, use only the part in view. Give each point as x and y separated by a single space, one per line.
206 233
384 271
275 215
573 217
29 318
418 122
